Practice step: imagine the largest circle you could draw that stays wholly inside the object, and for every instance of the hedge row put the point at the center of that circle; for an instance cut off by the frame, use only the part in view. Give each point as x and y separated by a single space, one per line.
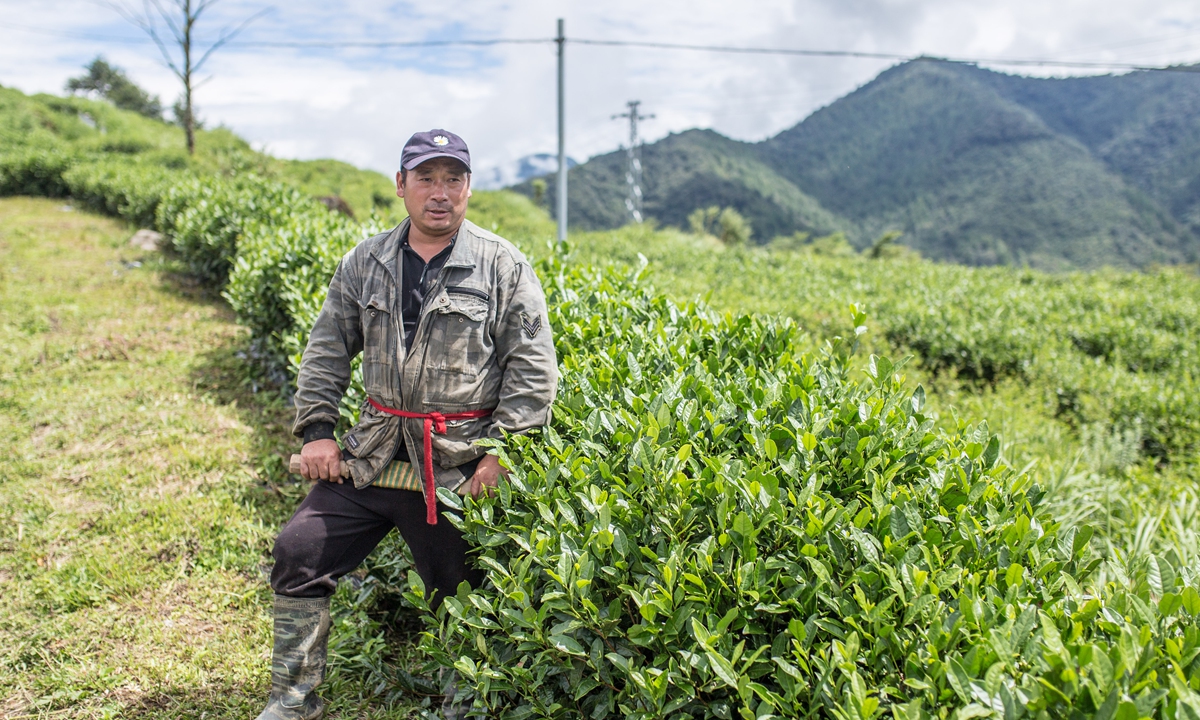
716 524
719 526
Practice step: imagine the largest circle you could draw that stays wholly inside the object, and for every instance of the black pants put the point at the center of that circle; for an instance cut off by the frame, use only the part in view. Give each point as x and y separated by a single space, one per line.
337 526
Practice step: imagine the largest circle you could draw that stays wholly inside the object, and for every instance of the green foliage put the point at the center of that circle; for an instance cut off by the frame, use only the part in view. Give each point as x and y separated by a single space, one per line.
206 218
1069 367
285 259
692 170
42 136
512 216
835 245
34 172
112 84
1105 348
717 525
727 225
115 185
125 189
365 191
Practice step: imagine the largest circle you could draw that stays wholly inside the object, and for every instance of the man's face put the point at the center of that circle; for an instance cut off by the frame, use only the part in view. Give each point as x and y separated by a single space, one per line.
435 194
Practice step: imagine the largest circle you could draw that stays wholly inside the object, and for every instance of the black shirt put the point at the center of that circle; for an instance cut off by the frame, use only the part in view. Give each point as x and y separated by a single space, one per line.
418 276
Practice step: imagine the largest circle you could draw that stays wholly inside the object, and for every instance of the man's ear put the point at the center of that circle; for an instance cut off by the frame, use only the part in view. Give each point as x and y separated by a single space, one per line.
399 185
468 186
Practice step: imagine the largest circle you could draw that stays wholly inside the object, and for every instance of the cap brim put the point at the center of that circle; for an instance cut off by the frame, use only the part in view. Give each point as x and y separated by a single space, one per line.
412 164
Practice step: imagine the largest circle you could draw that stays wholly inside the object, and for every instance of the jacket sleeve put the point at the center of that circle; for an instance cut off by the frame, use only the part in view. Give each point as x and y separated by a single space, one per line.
325 366
525 354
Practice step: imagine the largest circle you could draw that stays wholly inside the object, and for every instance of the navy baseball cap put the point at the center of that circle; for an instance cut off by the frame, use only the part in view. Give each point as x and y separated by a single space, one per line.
424 146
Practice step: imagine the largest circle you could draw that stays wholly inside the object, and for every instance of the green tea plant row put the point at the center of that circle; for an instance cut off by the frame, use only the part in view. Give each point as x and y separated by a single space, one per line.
1113 348
718 524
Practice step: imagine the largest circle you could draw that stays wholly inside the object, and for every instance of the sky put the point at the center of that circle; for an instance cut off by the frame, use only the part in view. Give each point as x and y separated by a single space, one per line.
360 104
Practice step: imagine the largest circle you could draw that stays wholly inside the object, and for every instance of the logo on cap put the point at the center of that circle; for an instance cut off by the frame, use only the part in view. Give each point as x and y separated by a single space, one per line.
441 140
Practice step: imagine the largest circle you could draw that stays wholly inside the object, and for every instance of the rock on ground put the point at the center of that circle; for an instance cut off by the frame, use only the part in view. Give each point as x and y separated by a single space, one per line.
146 240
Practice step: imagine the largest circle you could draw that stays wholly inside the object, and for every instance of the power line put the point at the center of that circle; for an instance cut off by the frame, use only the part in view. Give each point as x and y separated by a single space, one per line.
800 52
391 43
77 35
877 56
294 43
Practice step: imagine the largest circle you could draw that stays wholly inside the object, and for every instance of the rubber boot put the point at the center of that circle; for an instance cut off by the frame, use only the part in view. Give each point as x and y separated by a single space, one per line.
298 662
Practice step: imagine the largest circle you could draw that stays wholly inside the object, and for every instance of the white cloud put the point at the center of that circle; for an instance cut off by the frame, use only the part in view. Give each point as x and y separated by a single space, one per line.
360 105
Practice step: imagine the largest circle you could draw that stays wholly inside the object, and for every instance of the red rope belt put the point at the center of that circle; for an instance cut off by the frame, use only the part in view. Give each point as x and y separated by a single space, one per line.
435 422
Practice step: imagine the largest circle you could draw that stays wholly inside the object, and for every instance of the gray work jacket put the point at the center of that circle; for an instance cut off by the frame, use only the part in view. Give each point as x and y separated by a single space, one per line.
483 342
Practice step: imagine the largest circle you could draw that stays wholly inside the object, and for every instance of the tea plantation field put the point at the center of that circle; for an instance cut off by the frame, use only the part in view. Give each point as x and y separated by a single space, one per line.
832 486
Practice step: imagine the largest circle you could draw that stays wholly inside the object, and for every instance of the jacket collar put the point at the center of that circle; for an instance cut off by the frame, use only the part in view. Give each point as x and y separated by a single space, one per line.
387 253
466 248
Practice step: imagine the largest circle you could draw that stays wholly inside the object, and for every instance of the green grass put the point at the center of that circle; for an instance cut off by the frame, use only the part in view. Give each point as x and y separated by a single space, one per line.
142 488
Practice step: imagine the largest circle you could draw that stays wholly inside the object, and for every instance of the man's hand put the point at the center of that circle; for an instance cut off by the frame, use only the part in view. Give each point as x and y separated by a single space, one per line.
487 474
321 459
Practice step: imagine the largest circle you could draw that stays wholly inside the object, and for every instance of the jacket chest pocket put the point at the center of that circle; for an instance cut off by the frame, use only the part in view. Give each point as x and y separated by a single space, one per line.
460 341
379 344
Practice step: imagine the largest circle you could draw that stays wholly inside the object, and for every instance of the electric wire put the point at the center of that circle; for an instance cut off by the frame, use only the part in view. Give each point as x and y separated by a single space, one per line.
1040 62
799 52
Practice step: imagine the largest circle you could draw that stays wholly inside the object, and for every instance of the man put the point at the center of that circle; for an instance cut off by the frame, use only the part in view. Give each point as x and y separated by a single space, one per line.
451 323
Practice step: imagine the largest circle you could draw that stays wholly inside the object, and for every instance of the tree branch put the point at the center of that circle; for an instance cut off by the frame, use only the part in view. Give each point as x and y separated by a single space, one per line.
167 18
226 36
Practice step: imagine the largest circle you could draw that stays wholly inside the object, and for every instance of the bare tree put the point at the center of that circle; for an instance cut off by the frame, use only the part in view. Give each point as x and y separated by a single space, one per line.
180 50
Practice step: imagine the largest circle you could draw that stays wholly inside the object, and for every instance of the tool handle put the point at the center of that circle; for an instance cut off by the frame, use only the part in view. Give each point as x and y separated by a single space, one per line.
294 467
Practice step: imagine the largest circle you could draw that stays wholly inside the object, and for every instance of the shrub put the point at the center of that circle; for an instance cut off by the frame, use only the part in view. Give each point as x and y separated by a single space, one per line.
727 225
719 526
123 187
126 189
34 172
285 258
207 216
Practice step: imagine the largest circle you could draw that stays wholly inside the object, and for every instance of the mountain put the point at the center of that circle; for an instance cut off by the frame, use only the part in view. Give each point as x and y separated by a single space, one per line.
693 169
1145 126
972 166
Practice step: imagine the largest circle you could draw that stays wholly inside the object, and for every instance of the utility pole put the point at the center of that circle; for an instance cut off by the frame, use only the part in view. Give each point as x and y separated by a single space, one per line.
633 174
562 138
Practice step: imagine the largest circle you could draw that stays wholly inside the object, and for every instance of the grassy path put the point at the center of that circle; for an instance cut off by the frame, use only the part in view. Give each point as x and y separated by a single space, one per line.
135 511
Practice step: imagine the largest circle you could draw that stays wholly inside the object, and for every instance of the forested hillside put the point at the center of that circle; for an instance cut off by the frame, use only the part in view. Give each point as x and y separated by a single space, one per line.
972 166
697 168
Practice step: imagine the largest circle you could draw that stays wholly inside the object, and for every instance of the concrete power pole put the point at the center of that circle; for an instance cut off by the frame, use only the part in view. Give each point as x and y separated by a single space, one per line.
562 138
633 175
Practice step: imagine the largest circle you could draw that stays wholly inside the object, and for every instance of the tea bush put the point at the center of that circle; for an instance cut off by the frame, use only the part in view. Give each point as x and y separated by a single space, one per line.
34 172
126 189
717 525
284 262
206 217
